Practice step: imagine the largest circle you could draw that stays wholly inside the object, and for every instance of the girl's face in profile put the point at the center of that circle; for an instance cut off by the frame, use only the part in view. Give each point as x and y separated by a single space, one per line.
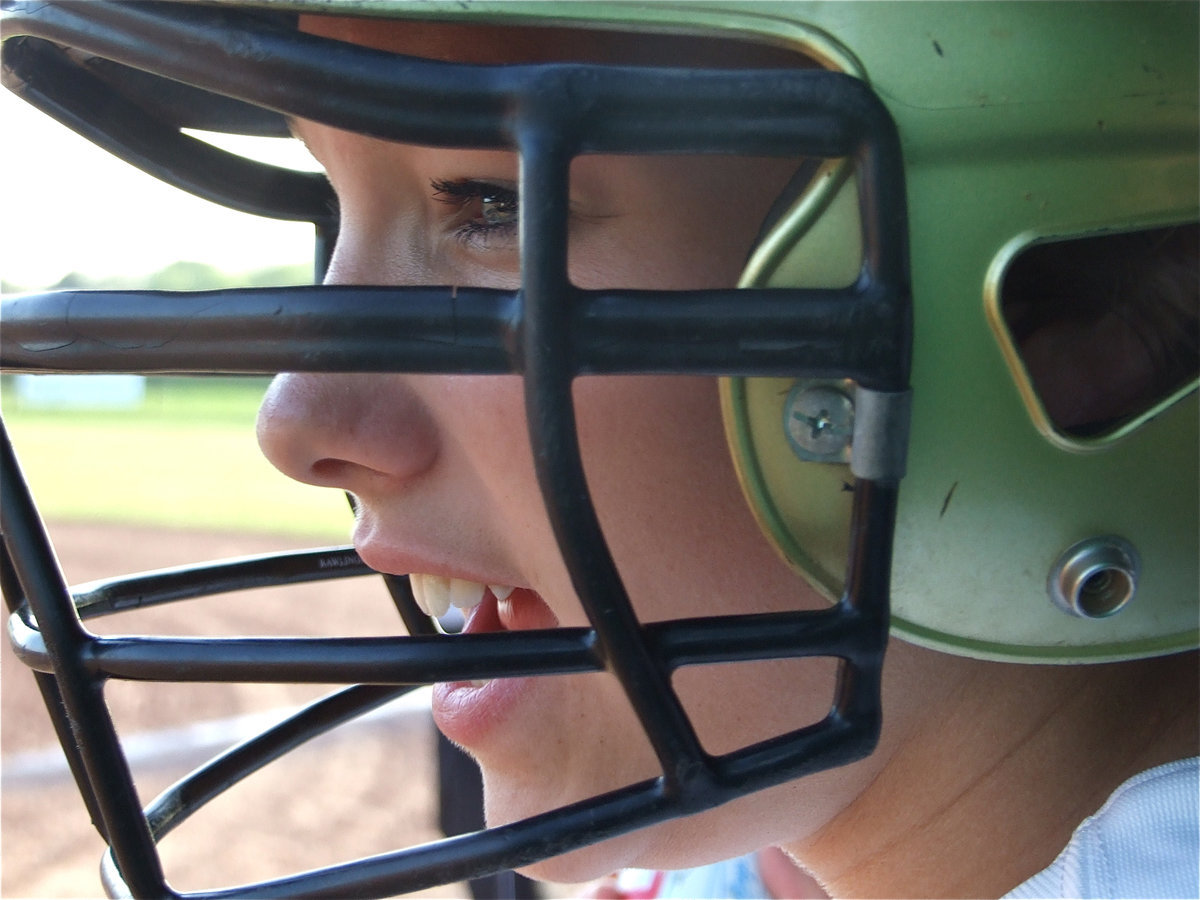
442 471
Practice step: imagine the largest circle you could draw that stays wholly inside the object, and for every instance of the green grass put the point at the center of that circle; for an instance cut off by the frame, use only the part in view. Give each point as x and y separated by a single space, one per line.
186 457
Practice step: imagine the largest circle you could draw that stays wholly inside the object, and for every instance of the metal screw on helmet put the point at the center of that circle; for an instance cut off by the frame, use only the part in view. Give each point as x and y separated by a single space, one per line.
1095 578
818 418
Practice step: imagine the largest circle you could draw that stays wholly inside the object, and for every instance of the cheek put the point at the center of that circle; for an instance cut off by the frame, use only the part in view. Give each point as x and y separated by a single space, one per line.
680 223
655 457
482 420
687 255
734 705
484 440
653 450
687 544
668 500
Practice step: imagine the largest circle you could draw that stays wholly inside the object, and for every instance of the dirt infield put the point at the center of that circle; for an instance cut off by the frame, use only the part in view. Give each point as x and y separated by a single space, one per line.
346 796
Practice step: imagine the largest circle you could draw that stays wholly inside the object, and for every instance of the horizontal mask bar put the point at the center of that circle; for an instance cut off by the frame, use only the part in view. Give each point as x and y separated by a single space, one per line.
815 333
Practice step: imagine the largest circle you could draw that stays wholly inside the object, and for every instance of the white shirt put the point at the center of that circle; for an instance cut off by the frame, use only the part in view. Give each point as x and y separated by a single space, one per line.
1144 842
730 879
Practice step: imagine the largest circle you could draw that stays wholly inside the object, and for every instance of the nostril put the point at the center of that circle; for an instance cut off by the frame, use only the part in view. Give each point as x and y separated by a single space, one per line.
343 430
331 472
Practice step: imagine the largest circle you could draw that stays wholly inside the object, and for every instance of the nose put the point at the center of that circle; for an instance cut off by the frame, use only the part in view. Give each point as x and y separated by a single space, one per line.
357 432
360 433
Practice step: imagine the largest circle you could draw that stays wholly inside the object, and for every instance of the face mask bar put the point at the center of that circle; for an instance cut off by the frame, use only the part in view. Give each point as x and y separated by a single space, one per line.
548 331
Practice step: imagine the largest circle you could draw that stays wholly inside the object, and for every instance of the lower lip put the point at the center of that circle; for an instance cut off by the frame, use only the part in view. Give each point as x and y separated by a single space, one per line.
467 712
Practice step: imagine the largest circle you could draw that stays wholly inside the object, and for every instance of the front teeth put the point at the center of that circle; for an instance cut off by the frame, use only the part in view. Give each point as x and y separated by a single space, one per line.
435 594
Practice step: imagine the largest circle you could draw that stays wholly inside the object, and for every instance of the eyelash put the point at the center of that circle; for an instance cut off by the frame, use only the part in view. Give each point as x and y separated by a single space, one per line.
477 231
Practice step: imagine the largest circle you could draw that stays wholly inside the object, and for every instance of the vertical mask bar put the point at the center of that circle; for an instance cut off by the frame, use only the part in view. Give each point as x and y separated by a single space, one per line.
883 209
867 596
124 826
14 597
548 317
867 592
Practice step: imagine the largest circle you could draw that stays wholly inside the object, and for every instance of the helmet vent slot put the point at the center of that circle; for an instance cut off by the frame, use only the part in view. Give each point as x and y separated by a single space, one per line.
1106 326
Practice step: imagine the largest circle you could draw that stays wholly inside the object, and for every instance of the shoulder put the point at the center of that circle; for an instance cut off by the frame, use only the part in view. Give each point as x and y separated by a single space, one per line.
1144 842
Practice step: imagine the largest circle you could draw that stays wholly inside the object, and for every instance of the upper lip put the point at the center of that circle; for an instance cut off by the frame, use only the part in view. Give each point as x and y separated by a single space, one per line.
392 558
405 554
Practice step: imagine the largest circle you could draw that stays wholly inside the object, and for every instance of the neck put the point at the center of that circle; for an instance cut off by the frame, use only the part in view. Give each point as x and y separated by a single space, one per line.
990 770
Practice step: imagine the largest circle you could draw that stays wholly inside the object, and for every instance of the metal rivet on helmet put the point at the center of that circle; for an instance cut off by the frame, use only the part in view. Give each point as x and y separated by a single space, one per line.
1095 578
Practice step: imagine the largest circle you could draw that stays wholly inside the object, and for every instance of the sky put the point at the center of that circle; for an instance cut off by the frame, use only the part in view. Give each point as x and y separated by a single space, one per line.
67 206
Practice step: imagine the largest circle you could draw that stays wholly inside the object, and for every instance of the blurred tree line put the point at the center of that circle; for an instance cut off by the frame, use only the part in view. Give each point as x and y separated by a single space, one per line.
181 276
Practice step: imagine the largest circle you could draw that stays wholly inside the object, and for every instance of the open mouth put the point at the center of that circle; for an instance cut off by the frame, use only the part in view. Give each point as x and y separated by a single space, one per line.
467 711
435 594
485 607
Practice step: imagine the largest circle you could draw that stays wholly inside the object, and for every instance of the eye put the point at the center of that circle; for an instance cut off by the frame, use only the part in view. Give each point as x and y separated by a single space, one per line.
487 211
499 207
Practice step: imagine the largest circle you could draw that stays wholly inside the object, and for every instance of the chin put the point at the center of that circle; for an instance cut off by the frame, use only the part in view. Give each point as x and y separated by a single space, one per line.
507 801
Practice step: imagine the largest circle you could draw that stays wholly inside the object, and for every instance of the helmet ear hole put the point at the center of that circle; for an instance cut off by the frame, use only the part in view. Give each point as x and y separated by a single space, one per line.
1106 325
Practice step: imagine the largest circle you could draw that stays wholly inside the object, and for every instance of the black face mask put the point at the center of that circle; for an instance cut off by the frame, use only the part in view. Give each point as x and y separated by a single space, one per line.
141 72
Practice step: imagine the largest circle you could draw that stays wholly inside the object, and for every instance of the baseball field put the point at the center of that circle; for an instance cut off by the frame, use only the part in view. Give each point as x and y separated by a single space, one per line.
173 479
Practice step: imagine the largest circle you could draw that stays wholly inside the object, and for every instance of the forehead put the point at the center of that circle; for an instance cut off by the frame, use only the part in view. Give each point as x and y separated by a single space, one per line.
497 44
